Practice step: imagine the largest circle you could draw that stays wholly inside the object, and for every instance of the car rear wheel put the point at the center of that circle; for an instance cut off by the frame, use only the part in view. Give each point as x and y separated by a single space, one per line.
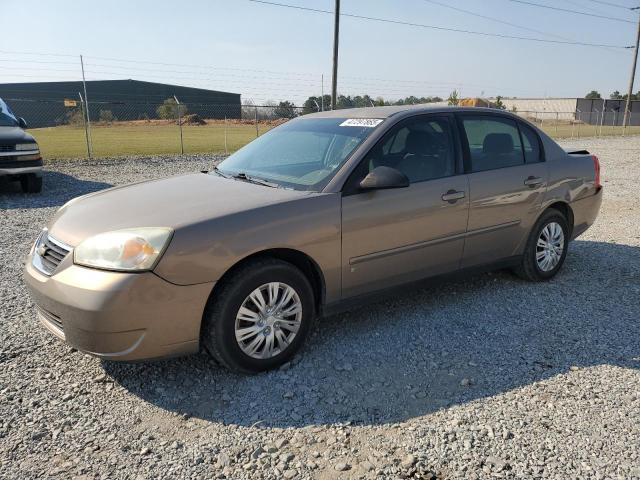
31 183
260 317
546 247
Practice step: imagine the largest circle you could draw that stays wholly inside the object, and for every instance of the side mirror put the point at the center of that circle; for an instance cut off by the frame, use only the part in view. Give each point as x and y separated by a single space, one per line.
22 123
384 177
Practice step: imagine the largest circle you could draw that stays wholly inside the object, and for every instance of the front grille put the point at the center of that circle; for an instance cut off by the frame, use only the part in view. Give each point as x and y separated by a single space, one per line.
7 148
49 253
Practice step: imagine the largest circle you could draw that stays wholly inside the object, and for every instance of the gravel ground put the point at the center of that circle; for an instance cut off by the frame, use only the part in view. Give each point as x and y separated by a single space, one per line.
486 376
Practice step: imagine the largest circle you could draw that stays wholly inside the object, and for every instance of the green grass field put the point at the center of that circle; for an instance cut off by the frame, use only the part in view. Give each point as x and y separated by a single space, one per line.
131 139
122 139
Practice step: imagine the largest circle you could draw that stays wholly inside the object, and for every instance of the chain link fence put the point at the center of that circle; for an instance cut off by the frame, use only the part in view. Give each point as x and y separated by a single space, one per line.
64 130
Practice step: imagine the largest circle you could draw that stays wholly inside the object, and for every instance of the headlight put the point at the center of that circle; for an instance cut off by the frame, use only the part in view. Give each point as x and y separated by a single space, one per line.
26 146
133 249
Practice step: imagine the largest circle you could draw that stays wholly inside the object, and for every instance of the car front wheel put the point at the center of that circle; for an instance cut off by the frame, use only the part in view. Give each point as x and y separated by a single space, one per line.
546 247
259 317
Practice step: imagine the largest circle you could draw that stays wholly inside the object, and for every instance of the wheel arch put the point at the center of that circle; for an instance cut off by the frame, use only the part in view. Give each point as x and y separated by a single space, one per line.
299 259
565 209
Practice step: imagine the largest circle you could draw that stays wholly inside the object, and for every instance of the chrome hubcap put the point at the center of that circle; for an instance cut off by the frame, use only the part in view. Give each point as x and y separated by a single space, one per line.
268 320
549 247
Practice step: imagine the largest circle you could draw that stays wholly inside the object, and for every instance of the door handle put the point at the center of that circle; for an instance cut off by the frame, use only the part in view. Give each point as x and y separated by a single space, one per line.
452 196
533 181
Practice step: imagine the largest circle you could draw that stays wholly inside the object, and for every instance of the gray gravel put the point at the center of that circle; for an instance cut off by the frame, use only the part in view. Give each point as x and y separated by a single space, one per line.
485 376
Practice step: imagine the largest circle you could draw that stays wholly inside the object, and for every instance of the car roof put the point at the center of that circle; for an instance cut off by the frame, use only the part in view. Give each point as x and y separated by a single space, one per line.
388 111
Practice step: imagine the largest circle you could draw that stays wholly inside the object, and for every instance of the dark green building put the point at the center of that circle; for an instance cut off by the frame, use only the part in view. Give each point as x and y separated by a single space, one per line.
45 104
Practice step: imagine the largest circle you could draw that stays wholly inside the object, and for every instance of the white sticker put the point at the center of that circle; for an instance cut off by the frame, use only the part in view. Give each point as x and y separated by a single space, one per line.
361 122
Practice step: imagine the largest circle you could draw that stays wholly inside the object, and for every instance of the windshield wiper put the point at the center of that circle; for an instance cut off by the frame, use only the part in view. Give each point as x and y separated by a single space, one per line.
258 181
219 172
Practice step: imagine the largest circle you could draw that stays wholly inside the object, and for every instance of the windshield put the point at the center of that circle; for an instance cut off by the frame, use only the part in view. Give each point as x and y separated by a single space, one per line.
7 118
303 154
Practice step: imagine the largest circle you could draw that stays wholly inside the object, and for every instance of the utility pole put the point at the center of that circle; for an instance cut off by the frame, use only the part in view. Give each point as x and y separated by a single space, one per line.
336 36
86 109
627 108
322 92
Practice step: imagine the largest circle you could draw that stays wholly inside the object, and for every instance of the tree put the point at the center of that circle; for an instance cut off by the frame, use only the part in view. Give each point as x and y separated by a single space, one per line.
344 102
74 116
170 109
309 106
498 103
454 98
285 110
615 96
107 116
593 94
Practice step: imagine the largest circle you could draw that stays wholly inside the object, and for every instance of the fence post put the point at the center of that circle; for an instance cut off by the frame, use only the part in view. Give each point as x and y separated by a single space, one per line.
256 114
226 150
179 124
86 103
84 123
573 124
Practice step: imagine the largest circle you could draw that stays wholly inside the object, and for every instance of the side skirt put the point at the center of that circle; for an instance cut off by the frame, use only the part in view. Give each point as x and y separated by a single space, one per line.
387 293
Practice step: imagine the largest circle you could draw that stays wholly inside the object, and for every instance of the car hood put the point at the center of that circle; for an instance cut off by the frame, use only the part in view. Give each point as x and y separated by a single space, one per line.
14 135
171 202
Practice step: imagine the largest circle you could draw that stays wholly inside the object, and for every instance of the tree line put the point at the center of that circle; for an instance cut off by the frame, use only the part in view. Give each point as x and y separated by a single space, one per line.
616 95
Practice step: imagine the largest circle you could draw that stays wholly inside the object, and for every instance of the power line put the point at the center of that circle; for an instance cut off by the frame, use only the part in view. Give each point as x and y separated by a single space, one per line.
611 4
135 70
504 22
566 10
435 27
493 19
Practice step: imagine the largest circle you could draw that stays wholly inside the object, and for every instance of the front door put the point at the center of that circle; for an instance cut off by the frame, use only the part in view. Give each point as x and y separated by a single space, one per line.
507 182
394 236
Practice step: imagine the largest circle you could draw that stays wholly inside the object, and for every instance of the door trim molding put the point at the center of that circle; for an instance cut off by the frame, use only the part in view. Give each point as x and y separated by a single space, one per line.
492 228
405 248
416 246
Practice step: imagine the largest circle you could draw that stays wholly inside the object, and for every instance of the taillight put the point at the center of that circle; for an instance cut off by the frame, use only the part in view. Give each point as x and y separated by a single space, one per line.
596 166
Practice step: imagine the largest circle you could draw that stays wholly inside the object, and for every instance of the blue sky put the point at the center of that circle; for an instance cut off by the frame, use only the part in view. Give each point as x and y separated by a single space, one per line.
266 52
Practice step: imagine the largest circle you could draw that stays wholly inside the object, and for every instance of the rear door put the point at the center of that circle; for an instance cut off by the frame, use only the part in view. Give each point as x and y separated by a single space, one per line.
394 236
507 181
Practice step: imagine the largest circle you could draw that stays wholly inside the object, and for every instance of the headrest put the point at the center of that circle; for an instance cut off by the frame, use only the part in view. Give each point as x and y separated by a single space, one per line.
498 143
419 142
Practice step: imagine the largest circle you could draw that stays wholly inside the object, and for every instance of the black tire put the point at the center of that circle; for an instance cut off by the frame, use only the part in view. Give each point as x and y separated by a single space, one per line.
31 183
218 329
529 268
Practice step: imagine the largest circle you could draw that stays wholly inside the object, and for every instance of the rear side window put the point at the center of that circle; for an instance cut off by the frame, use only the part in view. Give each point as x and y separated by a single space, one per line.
493 143
531 144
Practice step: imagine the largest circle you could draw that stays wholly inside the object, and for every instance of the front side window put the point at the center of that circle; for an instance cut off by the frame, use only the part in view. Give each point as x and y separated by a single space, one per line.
422 149
493 143
303 154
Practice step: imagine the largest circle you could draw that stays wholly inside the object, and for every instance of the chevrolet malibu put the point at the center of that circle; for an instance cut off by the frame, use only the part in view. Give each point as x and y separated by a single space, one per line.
322 212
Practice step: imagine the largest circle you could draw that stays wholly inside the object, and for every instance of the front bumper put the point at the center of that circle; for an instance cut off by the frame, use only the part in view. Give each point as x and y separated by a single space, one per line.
20 164
118 316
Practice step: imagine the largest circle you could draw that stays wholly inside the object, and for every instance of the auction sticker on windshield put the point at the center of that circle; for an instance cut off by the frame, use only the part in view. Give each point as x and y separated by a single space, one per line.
361 122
